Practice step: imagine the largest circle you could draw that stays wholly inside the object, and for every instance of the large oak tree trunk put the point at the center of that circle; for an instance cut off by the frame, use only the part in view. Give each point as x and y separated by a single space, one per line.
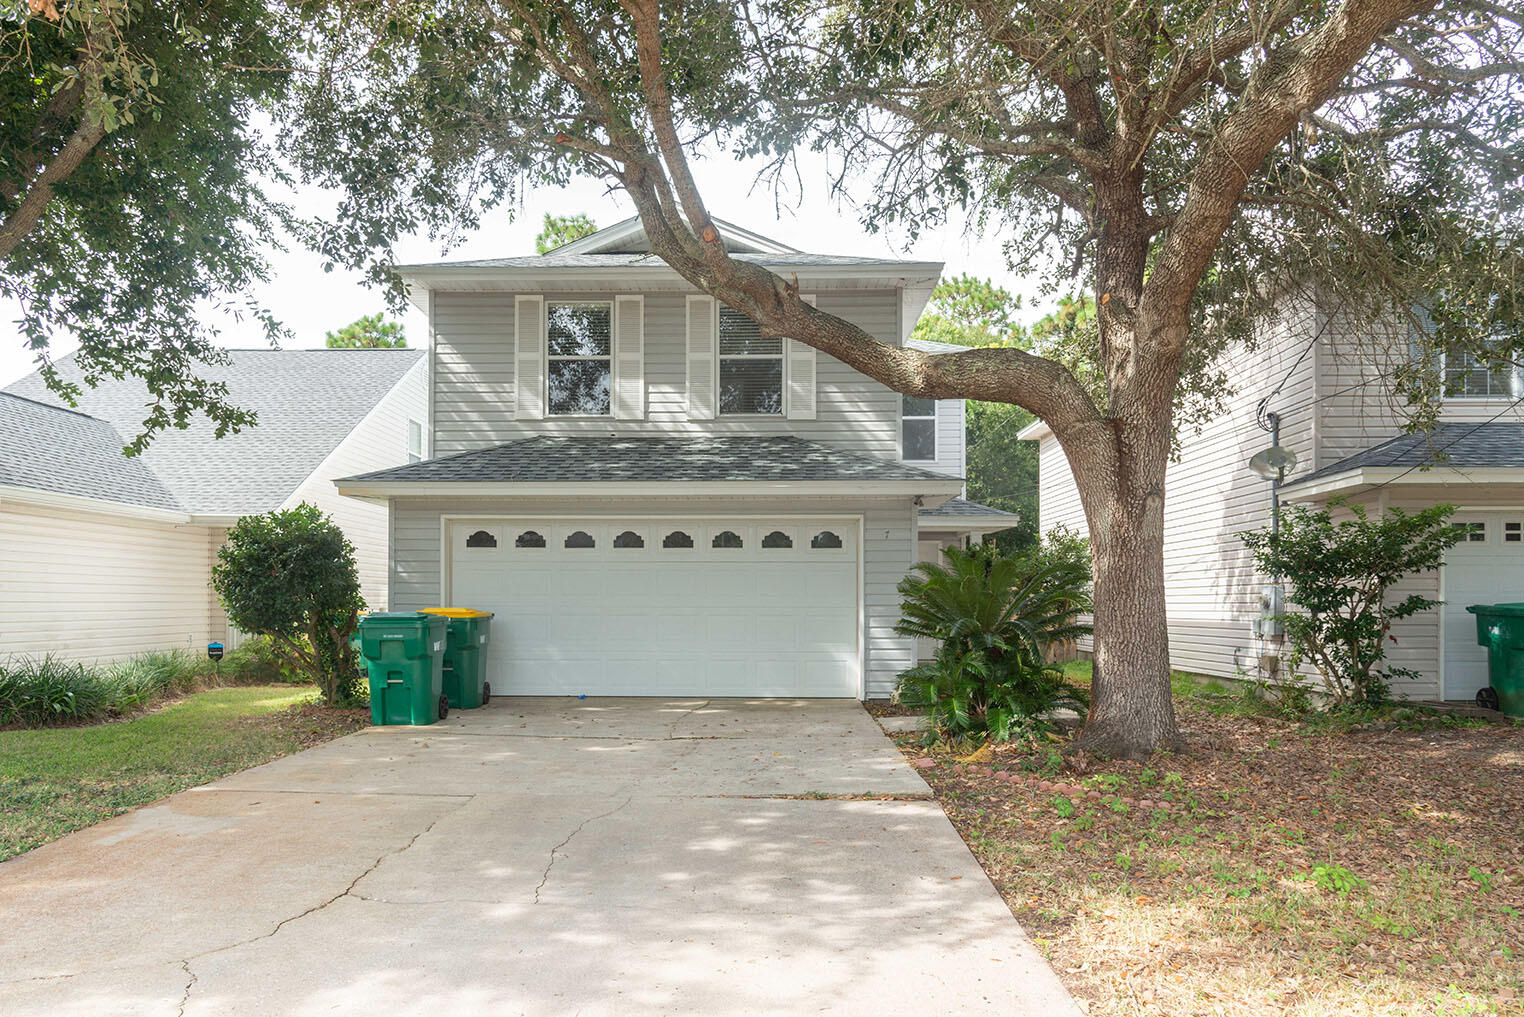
1131 714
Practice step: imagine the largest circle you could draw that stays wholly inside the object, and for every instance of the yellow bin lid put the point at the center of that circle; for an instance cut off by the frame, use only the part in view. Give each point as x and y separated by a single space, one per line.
457 612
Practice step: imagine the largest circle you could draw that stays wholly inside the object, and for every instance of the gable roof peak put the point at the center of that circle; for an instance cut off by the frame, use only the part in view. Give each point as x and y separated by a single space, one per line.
629 237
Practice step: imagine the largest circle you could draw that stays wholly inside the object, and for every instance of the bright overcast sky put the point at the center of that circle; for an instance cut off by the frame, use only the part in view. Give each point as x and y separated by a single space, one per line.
311 302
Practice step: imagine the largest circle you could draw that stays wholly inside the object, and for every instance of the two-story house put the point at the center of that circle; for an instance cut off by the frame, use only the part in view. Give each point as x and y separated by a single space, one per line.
1328 379
656 500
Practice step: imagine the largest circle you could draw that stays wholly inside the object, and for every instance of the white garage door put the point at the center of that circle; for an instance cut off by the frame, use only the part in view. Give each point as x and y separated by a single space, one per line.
663 607
1487 567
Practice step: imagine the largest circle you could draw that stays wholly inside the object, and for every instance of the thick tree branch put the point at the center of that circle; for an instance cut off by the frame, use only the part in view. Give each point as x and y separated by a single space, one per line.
39 190
1294 80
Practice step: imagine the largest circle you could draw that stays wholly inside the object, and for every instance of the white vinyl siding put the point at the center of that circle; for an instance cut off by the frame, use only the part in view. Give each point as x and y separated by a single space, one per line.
887 536
379 441
474 398
90 586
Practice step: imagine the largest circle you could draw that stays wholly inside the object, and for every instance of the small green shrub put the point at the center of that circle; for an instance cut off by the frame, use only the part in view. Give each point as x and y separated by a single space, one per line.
1342 575
290 576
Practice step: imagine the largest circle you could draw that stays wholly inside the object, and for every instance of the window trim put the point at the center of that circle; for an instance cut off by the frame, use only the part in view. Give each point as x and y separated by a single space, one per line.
935 451
415 427
719 359
1465 397
547 357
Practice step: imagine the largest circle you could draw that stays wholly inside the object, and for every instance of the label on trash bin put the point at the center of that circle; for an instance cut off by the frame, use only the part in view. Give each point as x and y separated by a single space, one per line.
438 646
393 635
481 640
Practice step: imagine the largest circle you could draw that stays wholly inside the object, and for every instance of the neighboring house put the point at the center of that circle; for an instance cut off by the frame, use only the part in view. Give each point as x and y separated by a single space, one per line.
107 556
654 499
1330 383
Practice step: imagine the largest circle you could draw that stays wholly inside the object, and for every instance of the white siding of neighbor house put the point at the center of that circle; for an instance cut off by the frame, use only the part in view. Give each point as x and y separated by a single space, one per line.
98 586
378 441
888 551
1358 409
474 397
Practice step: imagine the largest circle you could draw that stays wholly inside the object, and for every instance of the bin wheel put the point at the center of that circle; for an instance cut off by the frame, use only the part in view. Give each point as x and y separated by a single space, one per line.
444 707
486 693
1487 698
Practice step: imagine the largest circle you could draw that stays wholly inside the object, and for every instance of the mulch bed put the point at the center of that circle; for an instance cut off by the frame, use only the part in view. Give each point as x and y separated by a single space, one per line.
1279 867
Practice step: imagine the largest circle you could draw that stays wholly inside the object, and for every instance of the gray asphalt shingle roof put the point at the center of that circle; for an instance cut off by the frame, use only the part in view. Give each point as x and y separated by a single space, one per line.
58 450
1457 445
955 508
545 458
307 401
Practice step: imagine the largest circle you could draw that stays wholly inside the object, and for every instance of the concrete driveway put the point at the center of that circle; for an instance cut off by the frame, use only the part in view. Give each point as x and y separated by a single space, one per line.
545 857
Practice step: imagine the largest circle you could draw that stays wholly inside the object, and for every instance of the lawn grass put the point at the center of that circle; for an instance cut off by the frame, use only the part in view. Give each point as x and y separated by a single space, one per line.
56 780
1369 866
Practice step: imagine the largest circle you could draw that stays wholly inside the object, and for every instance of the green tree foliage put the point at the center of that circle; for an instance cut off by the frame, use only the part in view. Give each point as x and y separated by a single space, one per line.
563 229
969 311
290 575
372 332
1341 574
131 179
996 617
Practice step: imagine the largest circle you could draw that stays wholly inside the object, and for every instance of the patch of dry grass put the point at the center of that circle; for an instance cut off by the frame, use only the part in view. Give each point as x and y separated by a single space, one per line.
1280 867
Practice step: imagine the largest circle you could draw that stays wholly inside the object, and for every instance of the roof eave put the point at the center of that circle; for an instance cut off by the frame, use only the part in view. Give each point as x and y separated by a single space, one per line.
1036 429
967 523
906 273
1361 479
39 498
933 487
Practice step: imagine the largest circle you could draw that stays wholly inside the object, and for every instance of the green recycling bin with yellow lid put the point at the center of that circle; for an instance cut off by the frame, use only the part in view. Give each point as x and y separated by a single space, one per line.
404 659
465 663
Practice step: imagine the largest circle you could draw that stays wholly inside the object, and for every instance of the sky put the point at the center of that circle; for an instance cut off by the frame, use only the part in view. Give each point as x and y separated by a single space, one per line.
311 302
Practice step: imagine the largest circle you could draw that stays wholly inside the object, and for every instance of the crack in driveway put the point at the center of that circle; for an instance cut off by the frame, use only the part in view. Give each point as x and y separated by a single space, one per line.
348 891
550 864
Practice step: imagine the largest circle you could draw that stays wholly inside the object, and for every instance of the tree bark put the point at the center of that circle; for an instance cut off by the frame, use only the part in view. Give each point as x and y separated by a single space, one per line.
1131 714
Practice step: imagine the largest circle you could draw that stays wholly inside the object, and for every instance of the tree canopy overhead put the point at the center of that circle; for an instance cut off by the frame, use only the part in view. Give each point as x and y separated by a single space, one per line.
131 201
1189 160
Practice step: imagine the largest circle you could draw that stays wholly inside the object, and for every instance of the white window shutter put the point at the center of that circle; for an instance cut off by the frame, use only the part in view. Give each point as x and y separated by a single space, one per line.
629 357
702 340
529 357
801 375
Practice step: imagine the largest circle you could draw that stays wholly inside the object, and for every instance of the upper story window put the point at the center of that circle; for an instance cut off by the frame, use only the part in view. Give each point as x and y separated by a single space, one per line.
414 441
578 357
1467 376
751 367
918 429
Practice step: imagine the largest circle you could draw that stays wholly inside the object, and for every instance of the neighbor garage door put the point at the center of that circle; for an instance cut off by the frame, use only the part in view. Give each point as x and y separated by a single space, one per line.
663 607
1486 567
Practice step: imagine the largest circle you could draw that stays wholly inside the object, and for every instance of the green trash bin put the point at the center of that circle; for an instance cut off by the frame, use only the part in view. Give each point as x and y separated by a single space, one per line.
465 663
404 657
1500 628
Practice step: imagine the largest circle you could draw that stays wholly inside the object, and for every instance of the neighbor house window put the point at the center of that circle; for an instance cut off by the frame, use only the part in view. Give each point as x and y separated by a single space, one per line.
1468 376
578 349
918 428
751 367
1513 533
414 441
